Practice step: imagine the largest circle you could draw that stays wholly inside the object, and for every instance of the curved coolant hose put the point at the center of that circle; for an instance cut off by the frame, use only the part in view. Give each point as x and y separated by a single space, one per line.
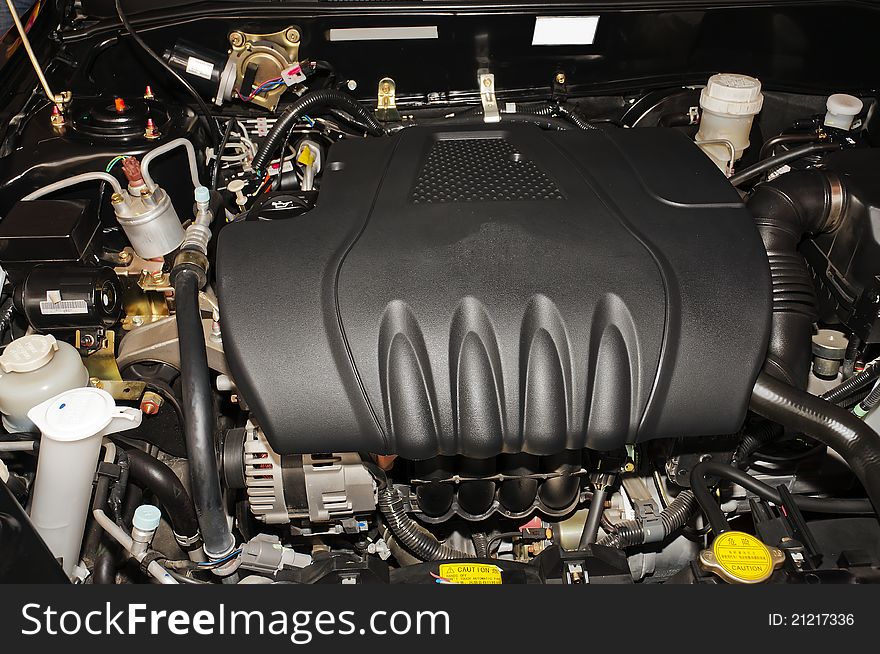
786 209
149 472
672 518
312 103
852 439
162 149
73 181
199 419
715 516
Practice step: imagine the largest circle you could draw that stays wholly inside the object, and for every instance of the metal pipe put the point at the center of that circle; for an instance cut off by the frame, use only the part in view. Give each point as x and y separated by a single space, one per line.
59 100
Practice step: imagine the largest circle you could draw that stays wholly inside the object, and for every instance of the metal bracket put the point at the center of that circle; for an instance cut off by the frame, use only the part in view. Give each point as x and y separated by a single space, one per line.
270 54
491 114
104 373
386 102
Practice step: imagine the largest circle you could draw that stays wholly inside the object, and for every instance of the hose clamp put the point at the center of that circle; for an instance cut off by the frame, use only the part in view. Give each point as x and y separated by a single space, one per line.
653 530
186 542
837 204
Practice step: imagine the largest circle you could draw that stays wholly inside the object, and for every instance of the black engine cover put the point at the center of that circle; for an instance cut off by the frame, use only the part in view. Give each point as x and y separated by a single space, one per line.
480 292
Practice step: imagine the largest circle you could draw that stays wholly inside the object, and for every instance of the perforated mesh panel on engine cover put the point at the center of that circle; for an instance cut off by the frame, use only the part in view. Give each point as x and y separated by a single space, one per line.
480 170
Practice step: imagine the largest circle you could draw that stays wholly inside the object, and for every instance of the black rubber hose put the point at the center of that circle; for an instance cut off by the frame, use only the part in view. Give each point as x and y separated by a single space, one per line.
673 518
770 144
150 473
754 439
787 209
312 103
93 534
778 160
701 488
104 570
852 439
594 518
854 383
481 544
117 494
200 422
409 533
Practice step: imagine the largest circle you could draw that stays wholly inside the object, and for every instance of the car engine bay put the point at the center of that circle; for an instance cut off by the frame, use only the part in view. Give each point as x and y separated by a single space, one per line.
290 299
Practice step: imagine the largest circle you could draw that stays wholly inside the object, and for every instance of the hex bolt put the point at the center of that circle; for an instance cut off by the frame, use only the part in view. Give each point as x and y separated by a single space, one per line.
151 403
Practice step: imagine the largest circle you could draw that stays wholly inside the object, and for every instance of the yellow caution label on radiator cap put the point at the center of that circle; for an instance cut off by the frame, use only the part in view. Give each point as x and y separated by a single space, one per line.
738 557
468 573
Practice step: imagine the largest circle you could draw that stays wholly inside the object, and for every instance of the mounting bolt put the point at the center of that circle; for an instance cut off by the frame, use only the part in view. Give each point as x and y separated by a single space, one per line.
292 35
57 118
236 39
560 78
137 321
151 403
151 132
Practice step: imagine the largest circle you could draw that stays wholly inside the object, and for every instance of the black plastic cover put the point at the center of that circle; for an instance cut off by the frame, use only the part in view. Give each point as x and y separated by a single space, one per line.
479 292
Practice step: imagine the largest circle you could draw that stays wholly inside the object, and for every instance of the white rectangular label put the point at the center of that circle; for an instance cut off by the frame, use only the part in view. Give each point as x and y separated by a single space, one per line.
565 30
65 307
383 33
199 67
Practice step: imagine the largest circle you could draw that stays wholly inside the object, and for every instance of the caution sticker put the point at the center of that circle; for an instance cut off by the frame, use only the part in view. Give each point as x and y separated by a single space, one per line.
743 557
468 573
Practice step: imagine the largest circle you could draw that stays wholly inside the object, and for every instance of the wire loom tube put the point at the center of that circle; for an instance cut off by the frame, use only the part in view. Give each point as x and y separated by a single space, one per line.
855 441
672 518
311 103
854 383
409 533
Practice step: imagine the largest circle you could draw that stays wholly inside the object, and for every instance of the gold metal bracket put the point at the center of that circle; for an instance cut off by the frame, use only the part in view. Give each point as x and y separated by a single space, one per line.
386 103
104 372
270 53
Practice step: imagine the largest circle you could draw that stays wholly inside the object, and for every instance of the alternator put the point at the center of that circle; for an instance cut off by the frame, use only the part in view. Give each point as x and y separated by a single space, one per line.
321 488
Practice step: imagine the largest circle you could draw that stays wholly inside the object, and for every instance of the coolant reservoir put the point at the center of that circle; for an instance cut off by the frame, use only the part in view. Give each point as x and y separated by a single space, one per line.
729 103
34 368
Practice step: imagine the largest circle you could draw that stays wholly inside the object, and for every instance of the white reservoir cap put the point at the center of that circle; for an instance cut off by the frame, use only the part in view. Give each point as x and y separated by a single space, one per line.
842 110
28 353
81 413
146 517
732 94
